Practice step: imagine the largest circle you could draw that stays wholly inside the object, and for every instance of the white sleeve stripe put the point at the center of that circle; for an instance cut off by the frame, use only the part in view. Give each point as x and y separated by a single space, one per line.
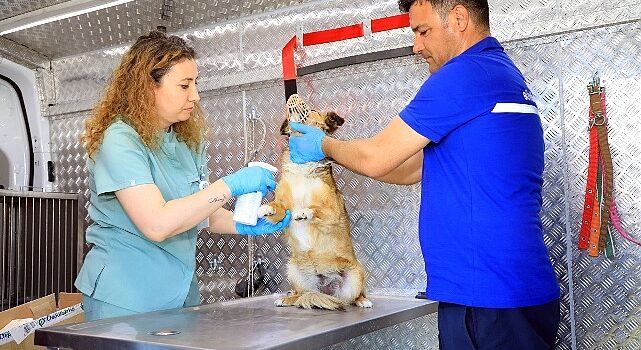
514 108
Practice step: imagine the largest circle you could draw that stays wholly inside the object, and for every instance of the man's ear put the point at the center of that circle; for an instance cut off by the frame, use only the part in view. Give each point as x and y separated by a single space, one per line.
285 129
461 17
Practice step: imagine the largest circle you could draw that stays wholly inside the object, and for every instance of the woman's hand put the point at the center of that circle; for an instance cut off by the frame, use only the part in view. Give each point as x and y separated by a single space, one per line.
251 179
263 226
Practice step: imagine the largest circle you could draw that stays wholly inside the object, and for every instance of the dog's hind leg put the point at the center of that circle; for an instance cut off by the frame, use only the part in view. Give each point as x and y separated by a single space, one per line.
289 300
362 301
353 288
317 300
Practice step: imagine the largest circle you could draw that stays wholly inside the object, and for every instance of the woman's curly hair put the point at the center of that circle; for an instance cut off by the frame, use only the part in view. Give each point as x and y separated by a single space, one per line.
130 94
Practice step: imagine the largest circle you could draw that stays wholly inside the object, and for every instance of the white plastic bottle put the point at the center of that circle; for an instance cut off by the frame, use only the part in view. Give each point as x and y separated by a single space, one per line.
247 205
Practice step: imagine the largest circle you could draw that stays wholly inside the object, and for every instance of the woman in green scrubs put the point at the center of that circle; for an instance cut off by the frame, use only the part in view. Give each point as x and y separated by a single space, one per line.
147 177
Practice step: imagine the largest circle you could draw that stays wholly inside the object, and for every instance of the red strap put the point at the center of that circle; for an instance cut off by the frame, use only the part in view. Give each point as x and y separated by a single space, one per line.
595 231
289 64
337 34
605 157
590 189
331 35
596 216
389 23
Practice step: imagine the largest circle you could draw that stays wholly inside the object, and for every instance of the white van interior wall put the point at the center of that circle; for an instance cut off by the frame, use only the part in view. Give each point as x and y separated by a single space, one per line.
15 153
557 46
25 81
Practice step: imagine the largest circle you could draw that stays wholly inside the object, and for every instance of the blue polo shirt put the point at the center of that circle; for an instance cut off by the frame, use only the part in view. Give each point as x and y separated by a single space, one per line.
480 229
125 268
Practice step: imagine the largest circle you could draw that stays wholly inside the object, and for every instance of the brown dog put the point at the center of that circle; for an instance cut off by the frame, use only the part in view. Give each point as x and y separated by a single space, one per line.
323 269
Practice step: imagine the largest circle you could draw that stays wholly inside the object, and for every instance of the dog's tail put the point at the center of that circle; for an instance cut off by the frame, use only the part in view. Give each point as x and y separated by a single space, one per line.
316 300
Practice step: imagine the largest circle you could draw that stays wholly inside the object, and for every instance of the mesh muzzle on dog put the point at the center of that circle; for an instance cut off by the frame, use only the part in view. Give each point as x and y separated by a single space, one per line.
297 109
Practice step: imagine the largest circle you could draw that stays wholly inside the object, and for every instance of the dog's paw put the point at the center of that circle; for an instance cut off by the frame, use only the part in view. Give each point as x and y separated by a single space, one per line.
273 212
363 302
266 210
303 215
289 300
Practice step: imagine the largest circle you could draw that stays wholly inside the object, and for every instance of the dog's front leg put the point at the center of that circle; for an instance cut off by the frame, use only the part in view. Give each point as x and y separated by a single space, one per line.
305 214
319 212
275 211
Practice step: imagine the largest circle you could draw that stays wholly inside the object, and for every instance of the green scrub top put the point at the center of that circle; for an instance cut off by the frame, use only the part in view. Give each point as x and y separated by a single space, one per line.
124 268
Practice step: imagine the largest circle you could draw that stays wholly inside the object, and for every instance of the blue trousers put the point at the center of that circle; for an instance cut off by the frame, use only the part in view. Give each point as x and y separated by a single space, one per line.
473 328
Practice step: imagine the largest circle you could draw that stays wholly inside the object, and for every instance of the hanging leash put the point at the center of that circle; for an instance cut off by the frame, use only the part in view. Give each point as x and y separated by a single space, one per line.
590 234
597 101
616 222
599 208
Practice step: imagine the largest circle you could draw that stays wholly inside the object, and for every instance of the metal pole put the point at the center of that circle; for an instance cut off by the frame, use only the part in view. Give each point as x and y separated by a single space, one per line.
12 247
33 243
80 233
39 245
46 236
67 273
19 245
3 252
58 250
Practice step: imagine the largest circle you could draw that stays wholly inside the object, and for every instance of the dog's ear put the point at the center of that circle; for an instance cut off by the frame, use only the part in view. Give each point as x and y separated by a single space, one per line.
333 121
285 129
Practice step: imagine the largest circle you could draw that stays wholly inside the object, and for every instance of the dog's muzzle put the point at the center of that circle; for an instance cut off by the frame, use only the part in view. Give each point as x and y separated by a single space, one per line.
297 110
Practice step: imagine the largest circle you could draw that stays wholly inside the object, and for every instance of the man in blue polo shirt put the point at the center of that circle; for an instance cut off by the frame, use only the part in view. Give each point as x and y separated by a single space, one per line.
473 137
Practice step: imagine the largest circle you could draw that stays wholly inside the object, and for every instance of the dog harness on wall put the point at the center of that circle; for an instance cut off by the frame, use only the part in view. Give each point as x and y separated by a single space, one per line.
599 205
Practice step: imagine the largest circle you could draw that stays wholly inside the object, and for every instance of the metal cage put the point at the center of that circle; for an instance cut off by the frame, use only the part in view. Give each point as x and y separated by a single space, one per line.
41 244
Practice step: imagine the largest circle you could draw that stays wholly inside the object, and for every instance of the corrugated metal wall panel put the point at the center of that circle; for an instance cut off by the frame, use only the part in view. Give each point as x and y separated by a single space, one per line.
604 293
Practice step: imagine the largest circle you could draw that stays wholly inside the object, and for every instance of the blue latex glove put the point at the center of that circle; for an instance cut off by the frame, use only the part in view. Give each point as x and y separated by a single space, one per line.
251 179
307 147
263 226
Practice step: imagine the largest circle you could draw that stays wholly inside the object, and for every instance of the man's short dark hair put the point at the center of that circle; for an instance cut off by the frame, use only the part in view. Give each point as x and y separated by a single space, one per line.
479 9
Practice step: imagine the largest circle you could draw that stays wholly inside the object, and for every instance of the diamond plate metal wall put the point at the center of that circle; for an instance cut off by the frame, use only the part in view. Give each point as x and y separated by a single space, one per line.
240 66
513 19
10 8
267 144
79 80
222 259
537 61
121 24
606 292
22 55
69 156
519 19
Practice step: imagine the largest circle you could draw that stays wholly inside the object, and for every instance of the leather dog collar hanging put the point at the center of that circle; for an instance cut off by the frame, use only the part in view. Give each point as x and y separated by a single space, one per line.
591 213
599 207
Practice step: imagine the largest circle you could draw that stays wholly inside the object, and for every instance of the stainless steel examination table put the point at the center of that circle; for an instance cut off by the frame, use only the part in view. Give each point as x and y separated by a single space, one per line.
253 323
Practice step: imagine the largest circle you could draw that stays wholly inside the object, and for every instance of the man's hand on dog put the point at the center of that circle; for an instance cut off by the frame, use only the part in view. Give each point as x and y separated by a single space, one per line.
308 146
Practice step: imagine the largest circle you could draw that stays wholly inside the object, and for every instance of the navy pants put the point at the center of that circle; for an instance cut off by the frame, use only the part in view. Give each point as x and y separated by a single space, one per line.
474 328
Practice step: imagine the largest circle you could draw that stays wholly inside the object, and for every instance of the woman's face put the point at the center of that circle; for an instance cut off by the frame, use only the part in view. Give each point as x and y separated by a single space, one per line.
176 94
